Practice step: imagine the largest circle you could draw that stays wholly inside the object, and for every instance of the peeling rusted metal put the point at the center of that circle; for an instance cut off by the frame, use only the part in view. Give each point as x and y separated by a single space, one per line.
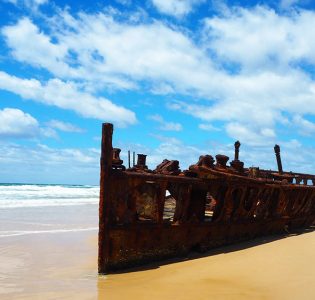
147 215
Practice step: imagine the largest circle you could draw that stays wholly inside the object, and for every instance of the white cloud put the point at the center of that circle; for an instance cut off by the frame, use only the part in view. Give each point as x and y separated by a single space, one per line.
164 125
208 127
255 100
105 52
67 95
251 136
265 86
274 40
64 126
305 127
31 4
49 132
41 52
15 123
177 8
42 164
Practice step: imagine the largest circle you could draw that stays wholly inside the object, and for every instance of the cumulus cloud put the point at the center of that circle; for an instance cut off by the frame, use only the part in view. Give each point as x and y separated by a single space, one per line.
208 127
111 53
304 126
15 123
261 38
64 126
42 164
251 136
176 8
246 70
41 52
67 95
164 125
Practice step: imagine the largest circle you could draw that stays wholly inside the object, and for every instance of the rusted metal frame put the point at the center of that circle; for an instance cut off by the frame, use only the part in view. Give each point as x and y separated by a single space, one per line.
169 178
140 180
301 198
105 197
182 196
228 202
250 201
289 196
219 191
297 176
161 201
293 198
261 205
273 203
240 212
308 199
197 203
306 210
264 204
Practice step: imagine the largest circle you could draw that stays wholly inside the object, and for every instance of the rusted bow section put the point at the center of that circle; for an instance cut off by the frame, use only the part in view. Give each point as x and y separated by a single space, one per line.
147 215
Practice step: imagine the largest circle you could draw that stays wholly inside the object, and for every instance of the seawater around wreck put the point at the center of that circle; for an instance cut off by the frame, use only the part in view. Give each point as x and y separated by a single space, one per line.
149 215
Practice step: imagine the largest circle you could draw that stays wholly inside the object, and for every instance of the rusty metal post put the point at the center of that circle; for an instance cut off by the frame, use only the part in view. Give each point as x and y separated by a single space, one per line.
129 159
237 145
141 162
278 157
106 167
236 164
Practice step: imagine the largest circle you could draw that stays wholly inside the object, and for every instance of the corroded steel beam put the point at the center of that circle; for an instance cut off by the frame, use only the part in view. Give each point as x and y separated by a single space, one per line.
105 197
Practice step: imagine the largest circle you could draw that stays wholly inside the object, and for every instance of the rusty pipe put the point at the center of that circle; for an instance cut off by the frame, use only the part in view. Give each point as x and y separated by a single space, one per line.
278 157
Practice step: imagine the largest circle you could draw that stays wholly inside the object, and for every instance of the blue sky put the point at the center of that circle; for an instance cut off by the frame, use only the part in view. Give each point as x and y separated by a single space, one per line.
177 78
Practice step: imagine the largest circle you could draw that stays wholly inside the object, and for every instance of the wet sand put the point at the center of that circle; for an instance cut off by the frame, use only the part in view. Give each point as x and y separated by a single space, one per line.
62 265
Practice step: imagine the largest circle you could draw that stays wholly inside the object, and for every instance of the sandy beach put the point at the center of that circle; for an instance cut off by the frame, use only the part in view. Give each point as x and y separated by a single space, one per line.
62 264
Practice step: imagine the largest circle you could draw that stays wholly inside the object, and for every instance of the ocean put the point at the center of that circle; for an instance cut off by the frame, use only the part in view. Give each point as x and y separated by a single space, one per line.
27 209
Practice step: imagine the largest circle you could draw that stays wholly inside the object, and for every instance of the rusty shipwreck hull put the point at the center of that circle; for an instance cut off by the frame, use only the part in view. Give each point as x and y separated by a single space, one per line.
149 215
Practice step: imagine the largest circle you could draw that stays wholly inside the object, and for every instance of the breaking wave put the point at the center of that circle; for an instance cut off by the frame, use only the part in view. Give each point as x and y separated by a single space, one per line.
38 195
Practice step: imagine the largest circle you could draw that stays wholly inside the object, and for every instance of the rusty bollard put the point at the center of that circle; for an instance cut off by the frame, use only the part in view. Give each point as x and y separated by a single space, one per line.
141 162
221 161
117 162
236 164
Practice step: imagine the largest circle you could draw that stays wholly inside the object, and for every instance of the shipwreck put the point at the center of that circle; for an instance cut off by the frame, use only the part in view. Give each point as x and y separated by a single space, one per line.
148 215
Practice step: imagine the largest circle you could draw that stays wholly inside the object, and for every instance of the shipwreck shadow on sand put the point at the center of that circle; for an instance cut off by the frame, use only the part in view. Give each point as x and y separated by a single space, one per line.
216 251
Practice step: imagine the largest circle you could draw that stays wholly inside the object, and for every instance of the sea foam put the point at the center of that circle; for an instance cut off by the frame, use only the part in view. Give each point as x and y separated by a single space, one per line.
31 195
